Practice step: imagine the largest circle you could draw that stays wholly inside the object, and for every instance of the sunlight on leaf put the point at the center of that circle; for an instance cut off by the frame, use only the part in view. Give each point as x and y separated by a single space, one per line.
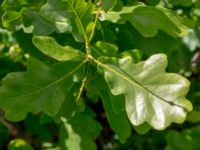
151 94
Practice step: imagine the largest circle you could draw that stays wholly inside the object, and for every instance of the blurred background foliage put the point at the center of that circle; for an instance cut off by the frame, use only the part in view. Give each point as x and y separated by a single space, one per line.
40 132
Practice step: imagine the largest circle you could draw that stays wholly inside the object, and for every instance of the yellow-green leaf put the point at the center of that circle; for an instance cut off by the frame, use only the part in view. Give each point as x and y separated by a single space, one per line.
151 94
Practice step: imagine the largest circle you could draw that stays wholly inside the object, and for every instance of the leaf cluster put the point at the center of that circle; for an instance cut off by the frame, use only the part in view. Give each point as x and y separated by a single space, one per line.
111 54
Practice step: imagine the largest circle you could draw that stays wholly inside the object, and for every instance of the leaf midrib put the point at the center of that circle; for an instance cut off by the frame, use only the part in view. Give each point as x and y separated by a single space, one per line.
51 84
134 82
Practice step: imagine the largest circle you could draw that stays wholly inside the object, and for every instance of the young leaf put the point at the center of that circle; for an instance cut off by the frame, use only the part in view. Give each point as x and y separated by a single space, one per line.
51 48
151 94
104 49
38 89
148 20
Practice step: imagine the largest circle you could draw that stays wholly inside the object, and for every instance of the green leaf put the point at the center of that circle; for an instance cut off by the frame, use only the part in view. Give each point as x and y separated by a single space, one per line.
34 22
42 18
79 136
108 4
104 29
104 49
40 88
194 116
135 54
151 94
19 144
118 121
51 48
130 38
148 20
69 15
14 10
88 124
114 107
143 128
70 106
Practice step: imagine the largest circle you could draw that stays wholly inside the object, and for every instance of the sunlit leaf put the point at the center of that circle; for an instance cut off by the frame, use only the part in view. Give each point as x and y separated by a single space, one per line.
151 94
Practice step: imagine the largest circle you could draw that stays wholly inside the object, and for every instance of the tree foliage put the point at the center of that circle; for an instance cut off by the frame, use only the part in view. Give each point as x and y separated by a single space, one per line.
87 68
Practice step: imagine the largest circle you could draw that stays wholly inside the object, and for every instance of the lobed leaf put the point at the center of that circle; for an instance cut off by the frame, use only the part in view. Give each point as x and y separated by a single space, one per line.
117 120
69 15
51 48
38 89
148 20
45 17
15 9
151 94
114 107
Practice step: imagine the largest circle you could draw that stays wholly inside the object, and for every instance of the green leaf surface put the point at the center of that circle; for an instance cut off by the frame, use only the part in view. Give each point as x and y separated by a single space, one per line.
34 22
104 49
38 89
50 47
135 55
151 94
194 116
46 17
118 121
19 144
114 107
108 4
69 15
14 10
130 38
88 124
143 128
71 106
79 136
148 20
